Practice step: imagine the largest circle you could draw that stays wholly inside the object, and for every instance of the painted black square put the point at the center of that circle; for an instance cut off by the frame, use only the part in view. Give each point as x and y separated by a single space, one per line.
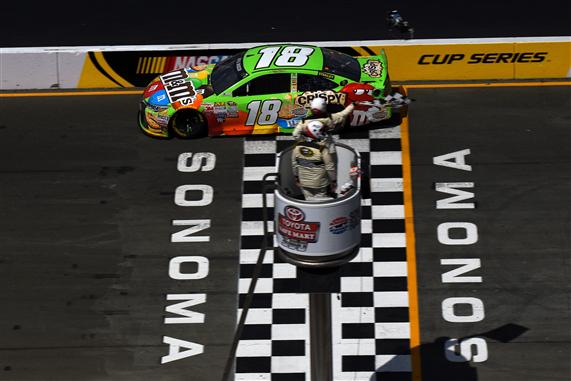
319 280
252 187
251 241
390 283
386 171
253 365
288 316
288 347
385 145
389 254
387 198
388 226
366 240
258 301
286 286
391 314
247 270
283 144
357 299
256 214
392 347
358 330
288 377
366 212
357 269
260 160
257 332
358 363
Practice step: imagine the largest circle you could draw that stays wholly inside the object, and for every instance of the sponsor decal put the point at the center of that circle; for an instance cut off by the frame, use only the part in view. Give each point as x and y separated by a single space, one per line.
483 58
297 232
339 225
179 88
220 111
196 62
231 109
152 88
325 75
306 152
330 96
373 68
159 98
294 214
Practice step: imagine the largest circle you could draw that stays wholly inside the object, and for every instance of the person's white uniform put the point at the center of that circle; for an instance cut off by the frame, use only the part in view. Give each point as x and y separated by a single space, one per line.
329 121
313 165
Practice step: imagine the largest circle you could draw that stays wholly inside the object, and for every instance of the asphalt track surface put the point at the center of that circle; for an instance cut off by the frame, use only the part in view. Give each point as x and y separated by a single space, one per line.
71 23
87 203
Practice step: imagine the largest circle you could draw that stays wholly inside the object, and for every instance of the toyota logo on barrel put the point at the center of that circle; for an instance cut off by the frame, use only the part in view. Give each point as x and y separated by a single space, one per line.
294 214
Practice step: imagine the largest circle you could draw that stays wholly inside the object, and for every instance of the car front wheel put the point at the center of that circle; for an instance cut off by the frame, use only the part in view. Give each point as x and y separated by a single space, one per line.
189 124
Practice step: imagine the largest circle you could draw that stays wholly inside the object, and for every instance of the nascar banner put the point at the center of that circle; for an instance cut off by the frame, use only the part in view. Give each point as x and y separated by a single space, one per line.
411 60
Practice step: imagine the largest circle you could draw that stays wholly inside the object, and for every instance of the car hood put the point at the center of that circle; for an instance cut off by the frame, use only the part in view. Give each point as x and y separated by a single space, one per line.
180 88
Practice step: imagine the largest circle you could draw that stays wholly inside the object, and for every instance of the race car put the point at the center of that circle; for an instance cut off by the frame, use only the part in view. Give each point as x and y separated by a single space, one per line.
267 90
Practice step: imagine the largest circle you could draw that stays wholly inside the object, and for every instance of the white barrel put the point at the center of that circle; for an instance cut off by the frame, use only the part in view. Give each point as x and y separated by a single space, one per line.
318 234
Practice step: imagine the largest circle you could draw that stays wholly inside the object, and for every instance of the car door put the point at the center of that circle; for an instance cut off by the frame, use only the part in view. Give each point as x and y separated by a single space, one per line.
264 102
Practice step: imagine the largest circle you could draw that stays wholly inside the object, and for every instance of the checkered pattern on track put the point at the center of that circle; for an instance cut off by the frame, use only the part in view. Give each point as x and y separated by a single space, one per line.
370 325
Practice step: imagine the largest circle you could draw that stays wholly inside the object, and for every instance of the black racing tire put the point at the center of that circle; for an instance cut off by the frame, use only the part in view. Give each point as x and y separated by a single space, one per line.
189 124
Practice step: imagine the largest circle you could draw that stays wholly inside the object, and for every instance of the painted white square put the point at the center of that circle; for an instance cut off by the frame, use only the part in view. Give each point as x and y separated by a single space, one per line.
257 173
392 330
386 158
284 271
389 240
390 299
357 284
263 286
254 348
261 146
290 331
387 212
386 185
389 269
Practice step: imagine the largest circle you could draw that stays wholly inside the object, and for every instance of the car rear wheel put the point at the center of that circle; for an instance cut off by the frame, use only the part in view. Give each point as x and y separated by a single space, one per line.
189 124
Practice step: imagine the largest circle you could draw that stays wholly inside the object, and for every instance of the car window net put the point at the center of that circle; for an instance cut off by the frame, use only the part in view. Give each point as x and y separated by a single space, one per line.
341 64
227 73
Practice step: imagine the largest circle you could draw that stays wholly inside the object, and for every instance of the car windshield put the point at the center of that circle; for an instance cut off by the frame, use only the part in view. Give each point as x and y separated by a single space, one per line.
227 73
341 64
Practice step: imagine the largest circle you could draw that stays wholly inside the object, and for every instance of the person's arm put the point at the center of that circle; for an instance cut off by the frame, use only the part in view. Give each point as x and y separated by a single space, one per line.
339 117
297 131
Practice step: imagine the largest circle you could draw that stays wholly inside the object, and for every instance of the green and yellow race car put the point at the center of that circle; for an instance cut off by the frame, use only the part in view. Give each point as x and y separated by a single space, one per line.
267 90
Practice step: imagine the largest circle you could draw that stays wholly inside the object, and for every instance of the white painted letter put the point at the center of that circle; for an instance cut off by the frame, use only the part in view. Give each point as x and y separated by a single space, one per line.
444 233
466 354
477 313
179 308
458 162
174 349
466 265
201 271
205 199
195 226
197 160
451 202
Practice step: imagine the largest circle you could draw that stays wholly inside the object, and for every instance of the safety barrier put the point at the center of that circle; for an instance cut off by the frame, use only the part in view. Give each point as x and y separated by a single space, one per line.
409 60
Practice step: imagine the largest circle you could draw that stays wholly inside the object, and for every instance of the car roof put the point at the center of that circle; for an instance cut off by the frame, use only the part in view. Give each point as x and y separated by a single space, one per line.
253 56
